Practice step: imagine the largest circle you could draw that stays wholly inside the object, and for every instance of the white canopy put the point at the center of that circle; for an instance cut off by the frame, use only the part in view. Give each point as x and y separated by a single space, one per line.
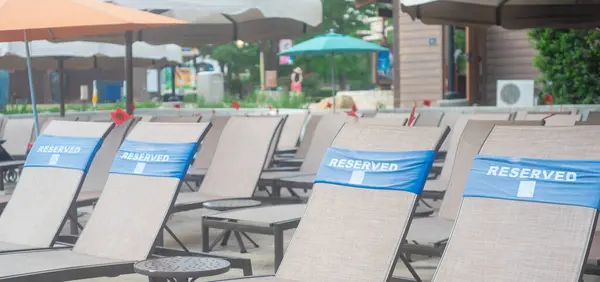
86 55
511 14
220 21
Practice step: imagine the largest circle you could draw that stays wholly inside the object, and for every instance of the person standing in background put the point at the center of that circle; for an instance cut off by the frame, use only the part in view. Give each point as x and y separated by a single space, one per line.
296 84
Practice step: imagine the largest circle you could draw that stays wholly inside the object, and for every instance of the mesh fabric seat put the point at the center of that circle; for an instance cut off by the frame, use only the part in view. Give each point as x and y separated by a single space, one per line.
517 237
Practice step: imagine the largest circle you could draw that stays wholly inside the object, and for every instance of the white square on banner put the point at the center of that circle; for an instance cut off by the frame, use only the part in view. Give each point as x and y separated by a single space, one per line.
357 177
526 189
54 159
139 168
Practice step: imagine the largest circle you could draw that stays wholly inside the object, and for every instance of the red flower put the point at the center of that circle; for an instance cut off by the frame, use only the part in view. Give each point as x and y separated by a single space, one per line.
177 106
119 116
235 105
270 107
427 103
548 98
353 108
329 105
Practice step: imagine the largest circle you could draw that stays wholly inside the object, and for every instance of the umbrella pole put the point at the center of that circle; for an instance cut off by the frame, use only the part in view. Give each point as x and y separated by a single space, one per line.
333 80
31 89
61 85
129 71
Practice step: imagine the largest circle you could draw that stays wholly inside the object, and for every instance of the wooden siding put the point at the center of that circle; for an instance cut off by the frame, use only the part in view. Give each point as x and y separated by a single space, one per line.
421 64
509 56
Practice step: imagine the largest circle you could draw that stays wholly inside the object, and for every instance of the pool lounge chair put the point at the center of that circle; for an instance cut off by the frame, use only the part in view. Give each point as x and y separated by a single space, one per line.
17 133
238 161
429 118
184 119
427 236
353 227
435 188
527 228
207 150
49 184
291 132
129 215
307 136
328 127
303 180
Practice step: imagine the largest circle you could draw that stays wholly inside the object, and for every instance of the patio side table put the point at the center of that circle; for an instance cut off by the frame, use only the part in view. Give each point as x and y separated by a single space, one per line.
181 269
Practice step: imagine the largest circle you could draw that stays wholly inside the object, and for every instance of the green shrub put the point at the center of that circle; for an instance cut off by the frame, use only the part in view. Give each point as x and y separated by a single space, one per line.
569 62
190 98
11 109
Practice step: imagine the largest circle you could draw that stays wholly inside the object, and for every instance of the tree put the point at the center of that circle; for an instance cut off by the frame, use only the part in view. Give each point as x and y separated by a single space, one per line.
237 61
570 64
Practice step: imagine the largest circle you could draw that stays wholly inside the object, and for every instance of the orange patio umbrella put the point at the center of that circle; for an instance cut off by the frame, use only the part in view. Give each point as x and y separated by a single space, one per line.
26 20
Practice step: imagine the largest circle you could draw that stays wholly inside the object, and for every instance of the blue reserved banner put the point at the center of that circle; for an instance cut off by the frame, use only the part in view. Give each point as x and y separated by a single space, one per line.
153 159
564 182
63 152
406 171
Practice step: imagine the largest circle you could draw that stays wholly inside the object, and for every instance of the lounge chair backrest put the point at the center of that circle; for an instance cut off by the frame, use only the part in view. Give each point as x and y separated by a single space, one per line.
307 136
454 137
147 118
537 230
98 172
206 116
209 144
593 118
472 138
324 134
17 133
396 115
449 120
562 120
138 195
291 130
429 119
84 117
275 142
44 121
177 119
354 233
45 192
240 157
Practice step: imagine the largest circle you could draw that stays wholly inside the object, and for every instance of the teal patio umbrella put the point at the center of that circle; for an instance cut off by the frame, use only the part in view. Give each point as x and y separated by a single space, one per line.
333 43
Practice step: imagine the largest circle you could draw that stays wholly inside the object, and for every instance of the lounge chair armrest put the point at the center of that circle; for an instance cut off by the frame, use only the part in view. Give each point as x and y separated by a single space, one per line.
441 155
288 163
287 151
277 169
242 278
241 263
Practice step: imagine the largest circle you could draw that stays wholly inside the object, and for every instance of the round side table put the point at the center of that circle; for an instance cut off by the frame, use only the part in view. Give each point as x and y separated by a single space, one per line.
226 205
180 269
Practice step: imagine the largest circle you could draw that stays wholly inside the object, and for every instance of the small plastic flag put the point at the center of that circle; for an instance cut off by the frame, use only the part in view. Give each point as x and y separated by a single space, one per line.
177 106
329 105
427 103
119 116
354 108
412 115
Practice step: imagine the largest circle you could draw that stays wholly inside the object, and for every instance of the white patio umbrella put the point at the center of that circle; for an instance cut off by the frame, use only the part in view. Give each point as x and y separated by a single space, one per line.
216 22
84 55
219 21
510 14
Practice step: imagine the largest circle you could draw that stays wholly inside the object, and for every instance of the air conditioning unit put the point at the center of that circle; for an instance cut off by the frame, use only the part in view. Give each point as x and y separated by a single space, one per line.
515 93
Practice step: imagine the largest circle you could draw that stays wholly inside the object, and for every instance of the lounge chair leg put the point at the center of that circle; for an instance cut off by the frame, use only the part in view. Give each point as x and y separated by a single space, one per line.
189 186
249 239
410 268
240 242
226 238
294 194
217 240
276 191
73 222
176 239
278 242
